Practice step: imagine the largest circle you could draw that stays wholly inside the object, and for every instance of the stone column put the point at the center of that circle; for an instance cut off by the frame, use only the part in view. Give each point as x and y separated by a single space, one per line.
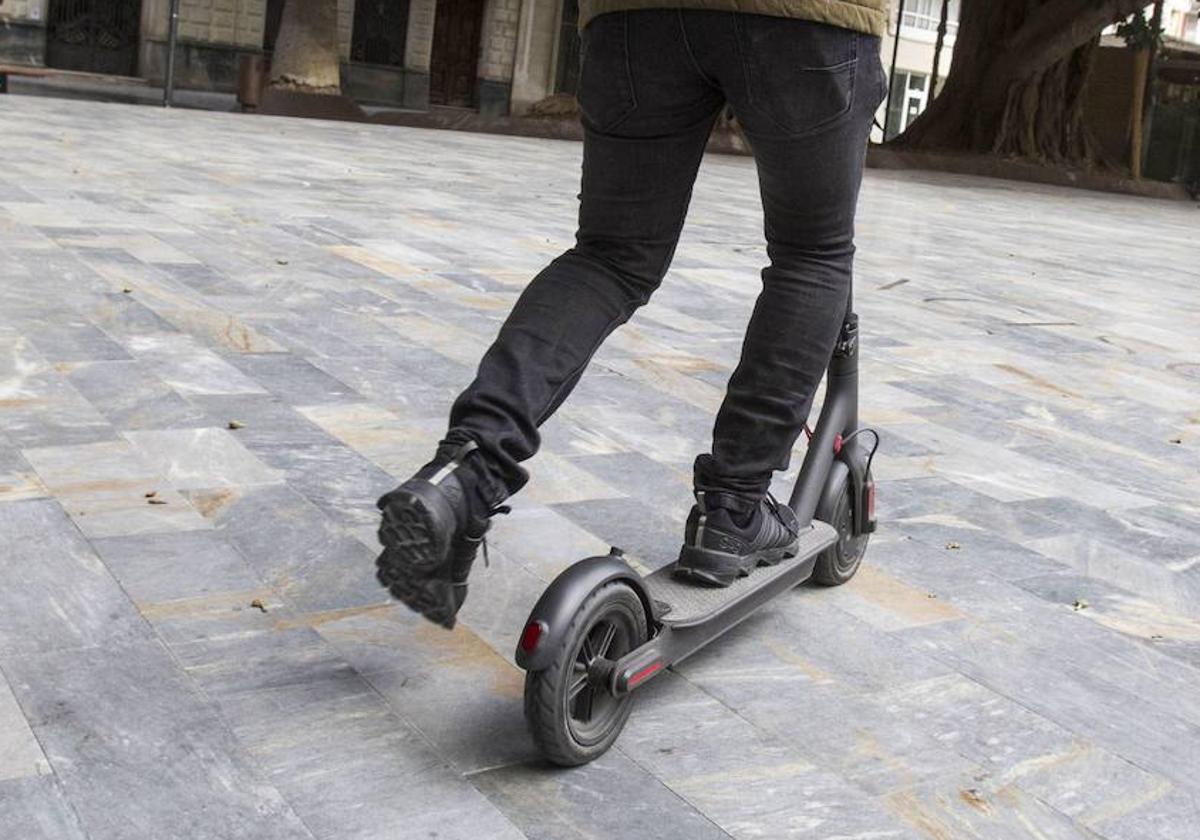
537 39
418 52
345 15
23 32
497 52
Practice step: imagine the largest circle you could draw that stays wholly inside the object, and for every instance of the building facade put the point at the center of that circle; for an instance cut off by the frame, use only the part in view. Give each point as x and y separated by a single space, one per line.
494 56
908 57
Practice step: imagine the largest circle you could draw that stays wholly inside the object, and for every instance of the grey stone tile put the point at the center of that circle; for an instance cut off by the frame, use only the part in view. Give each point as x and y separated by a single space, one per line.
979 810
656 485
20 753
1143 532
416 383
981 548
167 567
297 551
263 421
40 407
164 754
919 498
652 537
75 340
1089 784
131 397
342 483
58 595
1172 815
188 367
543 540
462 695
35 808
807 634
123 315
742 777
195 459
1085 703
397 443
609 797
1174 585
17 479
292 654
1128 613
292 379
1064 630
109 490
989 728
217 616
349 766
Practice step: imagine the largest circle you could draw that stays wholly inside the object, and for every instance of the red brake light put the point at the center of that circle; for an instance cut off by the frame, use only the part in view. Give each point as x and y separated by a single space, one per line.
532 634
870 493
645 673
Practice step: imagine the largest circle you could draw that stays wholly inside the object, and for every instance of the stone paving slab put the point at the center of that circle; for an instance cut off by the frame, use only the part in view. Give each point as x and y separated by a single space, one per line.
221 337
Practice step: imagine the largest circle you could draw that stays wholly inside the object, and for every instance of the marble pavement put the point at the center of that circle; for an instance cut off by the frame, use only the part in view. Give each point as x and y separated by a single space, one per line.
221 337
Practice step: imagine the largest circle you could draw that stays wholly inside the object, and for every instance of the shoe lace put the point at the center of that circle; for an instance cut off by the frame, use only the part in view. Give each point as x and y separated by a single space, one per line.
775 506
498 510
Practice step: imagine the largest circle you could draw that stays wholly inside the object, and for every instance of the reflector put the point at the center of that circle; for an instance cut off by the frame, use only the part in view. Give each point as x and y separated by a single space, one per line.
533 633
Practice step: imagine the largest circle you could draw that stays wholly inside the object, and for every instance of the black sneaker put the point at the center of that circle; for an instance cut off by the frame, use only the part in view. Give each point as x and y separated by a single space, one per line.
433 525
717 549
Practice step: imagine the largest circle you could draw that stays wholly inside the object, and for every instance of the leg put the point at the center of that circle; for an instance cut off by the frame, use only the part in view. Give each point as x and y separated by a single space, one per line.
805 95
645 134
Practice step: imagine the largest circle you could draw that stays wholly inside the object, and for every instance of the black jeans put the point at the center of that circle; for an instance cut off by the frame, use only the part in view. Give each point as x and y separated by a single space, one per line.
652 84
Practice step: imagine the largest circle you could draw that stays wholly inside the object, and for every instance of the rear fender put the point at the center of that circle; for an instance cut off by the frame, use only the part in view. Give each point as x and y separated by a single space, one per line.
563 598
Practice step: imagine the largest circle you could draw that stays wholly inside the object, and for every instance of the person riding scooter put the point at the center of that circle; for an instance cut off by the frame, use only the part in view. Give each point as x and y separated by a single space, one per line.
803 78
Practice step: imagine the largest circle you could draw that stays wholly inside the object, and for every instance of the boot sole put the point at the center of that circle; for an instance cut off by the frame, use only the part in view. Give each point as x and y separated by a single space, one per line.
717 568
414 564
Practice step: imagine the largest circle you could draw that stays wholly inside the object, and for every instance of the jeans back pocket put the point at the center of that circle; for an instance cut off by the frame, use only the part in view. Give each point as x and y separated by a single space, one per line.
799 74
606 95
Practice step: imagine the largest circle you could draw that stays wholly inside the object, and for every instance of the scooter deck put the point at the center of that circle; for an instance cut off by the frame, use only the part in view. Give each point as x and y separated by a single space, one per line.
693 603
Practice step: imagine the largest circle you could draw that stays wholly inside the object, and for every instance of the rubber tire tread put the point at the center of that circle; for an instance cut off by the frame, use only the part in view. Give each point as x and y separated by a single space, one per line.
541 687
825 570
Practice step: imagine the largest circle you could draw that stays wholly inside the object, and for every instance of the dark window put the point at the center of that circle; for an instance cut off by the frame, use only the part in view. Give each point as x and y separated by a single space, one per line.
96 36
567 80
380 29
271 24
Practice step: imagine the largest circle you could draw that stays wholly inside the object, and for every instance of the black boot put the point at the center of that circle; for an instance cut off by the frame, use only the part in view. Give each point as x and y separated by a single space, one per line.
433 525
727 536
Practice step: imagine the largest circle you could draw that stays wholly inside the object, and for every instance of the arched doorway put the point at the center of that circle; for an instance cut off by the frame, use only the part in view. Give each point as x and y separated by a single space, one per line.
95 36
456 34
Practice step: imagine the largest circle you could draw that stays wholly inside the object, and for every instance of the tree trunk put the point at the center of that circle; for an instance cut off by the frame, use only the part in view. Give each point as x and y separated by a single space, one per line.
306 57
1150 97
1141 68
937 48
1016 83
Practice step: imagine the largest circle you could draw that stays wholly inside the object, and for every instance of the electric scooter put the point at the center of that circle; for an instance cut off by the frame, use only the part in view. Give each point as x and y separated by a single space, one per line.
601 630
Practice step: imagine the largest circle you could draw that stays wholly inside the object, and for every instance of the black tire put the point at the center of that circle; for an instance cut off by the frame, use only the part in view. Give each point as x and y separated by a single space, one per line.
838 563
555 704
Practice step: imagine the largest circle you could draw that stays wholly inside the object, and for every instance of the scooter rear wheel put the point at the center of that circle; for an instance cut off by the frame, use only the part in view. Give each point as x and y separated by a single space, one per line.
569 706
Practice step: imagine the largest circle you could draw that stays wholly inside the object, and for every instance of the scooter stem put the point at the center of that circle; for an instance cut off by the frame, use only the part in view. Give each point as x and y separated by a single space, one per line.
839 416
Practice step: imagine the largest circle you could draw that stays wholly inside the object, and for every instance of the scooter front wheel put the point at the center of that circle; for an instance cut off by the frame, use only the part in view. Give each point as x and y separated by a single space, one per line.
572 713
838 563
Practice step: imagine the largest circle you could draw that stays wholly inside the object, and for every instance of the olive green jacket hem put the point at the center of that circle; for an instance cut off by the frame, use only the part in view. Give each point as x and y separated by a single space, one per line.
868 16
